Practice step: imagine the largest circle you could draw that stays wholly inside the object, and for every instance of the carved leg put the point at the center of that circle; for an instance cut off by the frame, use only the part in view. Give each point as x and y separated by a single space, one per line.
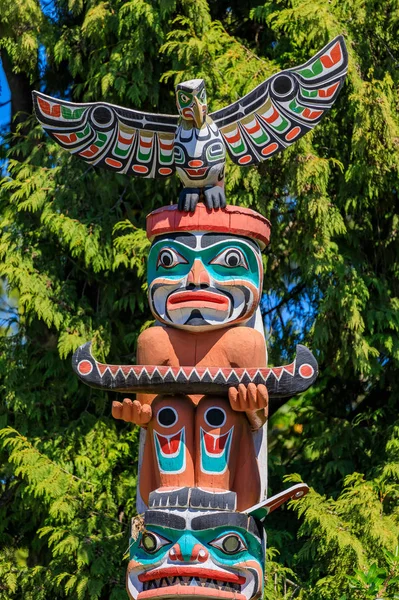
224 453
168 459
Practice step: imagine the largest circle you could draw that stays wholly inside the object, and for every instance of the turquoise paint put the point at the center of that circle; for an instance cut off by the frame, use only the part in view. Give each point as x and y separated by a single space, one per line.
170 463
187 540
211 463
206 255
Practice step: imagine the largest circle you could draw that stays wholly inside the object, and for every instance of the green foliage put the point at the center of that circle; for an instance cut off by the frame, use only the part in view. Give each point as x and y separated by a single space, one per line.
73 260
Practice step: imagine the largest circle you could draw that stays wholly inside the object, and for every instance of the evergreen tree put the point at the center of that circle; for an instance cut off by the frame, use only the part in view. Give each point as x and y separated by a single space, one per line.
73 251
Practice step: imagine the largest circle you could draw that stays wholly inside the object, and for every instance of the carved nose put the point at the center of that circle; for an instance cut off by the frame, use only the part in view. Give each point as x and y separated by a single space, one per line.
196 553
198 276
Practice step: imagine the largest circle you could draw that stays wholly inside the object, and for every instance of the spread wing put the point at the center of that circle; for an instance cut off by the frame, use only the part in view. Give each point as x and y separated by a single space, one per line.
115 138
284 107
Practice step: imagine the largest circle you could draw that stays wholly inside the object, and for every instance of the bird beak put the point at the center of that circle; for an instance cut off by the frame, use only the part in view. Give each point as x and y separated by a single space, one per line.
199 111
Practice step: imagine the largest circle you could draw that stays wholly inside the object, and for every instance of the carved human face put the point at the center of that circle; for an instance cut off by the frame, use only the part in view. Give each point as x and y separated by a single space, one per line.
199 281
204 554
191 101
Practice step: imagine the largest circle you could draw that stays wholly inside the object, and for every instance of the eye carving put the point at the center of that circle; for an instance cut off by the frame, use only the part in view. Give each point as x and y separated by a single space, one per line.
184 98
169 258
231 543
202 96
231 258
152 542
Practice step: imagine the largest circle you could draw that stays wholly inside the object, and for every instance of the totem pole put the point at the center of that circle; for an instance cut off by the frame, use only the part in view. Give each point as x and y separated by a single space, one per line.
202 384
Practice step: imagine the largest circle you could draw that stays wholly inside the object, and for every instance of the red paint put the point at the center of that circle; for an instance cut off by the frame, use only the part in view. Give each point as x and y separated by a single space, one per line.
293 133
333 57
233 138
90 152
232 219
306 371
196 554
215 444
187 113
169 445
166 145
196 172
187 571
311 114
197 299
140 169
290 368
165 171
195 163
144 144
245 159
269 149
277 371
123 140
51 111
113 163
66 139
253 129
85 367
275 115
327 93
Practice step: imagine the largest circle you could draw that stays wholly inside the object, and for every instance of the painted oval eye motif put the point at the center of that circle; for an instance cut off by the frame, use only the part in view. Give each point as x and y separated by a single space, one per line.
152 542
168 258
202 96
184 98
231 543
231 258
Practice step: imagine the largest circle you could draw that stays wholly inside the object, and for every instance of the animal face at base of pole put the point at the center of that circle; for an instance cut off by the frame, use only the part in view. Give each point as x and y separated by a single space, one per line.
202 553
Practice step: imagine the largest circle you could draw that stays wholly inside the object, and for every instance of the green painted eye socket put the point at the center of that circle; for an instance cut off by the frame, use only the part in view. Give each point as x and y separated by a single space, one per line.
184 99
231 258
169 258
152 542
231 543
202 96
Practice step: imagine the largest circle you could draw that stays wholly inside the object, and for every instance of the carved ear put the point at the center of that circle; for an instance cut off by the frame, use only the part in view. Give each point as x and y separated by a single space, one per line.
261 510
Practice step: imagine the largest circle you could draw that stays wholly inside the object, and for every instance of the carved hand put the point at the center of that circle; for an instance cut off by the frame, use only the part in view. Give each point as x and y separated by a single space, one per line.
132 411
252 399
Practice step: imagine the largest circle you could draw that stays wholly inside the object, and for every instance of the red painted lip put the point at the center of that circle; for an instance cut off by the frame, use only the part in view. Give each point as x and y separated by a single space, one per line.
191 572
198 299
184 591
196 172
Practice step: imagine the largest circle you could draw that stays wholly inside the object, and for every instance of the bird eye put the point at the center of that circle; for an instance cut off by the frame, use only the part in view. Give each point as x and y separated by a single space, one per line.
184 98
202 96
231 543
231 258
169 258
152 542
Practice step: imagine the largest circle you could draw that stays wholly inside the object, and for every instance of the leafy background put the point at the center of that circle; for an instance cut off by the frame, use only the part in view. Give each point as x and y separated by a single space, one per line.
73 261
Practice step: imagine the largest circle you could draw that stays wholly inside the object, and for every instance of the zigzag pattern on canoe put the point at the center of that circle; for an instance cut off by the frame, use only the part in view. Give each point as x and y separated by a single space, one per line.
284 381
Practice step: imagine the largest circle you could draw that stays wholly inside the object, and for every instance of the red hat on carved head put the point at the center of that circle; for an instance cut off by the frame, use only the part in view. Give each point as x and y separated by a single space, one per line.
232 219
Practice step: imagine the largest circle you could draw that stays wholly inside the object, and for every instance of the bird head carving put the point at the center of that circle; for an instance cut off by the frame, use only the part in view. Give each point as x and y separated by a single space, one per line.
191 101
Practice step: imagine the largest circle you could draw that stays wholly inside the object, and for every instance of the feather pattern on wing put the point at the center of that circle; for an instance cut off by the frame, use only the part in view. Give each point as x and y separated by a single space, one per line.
115 138
284 107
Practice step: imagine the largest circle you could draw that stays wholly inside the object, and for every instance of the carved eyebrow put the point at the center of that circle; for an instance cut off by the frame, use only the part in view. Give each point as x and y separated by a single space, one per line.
231 519
208 239
164 519
187 239
219 519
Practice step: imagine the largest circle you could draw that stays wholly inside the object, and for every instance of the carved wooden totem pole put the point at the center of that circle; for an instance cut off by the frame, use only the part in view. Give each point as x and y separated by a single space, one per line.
202 384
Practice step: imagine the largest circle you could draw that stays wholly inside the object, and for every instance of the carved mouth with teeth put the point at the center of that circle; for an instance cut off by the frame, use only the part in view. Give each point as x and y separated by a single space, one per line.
208 583
226 586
